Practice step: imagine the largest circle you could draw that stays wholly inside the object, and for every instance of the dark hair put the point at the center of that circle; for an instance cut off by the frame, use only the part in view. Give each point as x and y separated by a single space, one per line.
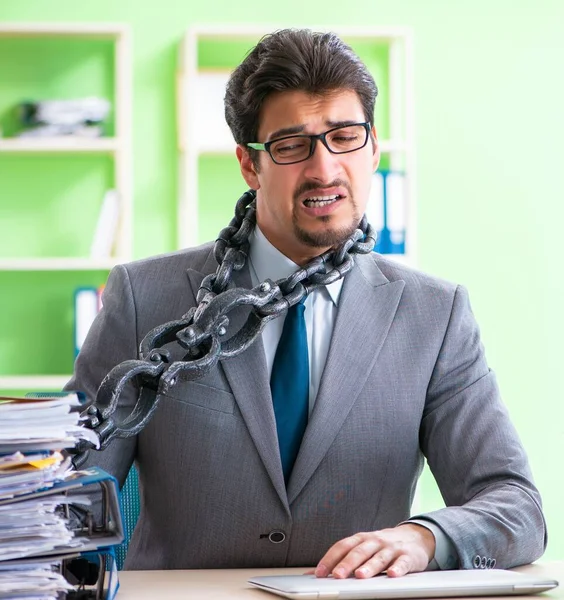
293 59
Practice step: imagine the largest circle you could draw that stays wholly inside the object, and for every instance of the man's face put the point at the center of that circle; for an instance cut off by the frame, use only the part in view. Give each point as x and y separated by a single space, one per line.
308 207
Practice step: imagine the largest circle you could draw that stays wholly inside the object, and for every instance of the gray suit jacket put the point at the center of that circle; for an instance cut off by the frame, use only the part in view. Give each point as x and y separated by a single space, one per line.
405 378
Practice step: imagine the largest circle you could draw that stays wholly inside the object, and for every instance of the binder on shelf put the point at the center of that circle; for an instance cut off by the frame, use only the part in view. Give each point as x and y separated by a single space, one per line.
87 303
106 230
395 211
210 131
100 292
375 205
386 211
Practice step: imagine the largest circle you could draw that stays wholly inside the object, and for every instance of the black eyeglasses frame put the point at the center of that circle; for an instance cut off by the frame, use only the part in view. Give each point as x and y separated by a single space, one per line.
313 140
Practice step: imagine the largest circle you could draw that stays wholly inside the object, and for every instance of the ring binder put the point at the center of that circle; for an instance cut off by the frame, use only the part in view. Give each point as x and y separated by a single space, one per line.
93 514
56 525
91 531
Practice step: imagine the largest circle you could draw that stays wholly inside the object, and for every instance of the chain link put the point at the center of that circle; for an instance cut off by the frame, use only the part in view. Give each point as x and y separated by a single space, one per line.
201 329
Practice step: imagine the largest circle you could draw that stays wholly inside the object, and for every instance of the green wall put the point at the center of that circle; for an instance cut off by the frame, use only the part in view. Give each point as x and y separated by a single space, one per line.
489 86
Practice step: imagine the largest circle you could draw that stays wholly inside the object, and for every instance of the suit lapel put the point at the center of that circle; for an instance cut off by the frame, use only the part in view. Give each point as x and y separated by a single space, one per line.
247 376
355 345
366 291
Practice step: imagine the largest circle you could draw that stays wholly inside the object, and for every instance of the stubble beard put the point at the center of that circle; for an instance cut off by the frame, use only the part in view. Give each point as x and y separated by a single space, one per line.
328 237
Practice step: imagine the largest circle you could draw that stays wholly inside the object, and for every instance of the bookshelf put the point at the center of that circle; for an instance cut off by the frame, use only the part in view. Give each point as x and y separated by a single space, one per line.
209 180
63 145
52 190
58 264
44 382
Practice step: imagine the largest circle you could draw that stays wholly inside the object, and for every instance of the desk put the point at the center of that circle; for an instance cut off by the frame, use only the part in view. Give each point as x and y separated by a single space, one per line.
231 584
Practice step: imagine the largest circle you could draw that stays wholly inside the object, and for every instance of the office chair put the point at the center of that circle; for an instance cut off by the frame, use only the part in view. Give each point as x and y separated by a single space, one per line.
130 506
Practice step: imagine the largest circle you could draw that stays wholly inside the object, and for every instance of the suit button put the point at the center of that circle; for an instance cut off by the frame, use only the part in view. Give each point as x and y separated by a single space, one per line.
477 561
489 563
483 562
276 536
492 566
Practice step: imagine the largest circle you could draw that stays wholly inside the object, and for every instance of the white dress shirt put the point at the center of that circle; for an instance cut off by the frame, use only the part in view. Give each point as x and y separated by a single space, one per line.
267 262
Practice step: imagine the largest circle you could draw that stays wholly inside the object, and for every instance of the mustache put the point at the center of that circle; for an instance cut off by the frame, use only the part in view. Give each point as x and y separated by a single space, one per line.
307 186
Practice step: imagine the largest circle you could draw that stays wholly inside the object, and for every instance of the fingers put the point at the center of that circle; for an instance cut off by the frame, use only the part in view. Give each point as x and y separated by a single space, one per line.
398 551
332 563
401 566
370 555
377 564
347 555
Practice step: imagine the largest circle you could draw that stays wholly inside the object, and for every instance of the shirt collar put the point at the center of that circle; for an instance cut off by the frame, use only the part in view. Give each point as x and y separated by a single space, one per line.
268 262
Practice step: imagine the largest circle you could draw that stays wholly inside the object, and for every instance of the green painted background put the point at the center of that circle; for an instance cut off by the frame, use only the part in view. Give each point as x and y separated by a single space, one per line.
489 92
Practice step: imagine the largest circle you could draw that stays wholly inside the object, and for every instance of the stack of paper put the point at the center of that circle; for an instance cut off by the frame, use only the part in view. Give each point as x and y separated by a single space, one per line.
82 117
33 581
22 473
42 423
34 521
36 526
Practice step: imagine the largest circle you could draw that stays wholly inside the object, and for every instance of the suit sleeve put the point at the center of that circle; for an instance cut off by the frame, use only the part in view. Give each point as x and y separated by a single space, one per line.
111 340
493 513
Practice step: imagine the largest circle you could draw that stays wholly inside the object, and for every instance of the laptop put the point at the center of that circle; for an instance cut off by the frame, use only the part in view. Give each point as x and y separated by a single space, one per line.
429 584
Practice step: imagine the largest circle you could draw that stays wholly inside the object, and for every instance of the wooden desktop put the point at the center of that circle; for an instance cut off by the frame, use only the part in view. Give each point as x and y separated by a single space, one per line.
231 584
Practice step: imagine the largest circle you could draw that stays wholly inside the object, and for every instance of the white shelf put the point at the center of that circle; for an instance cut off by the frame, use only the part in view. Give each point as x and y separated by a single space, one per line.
118 148
83 30
59 264
33 382
60 144
235 32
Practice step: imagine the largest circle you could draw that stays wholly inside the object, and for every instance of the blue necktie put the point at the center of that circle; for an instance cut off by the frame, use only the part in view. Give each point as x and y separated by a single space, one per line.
289 383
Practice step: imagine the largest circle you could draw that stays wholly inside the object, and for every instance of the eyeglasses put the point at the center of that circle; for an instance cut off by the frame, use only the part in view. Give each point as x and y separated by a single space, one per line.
297 148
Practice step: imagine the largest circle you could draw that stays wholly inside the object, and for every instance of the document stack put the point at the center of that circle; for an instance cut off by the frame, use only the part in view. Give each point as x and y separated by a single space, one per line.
47 510
81 117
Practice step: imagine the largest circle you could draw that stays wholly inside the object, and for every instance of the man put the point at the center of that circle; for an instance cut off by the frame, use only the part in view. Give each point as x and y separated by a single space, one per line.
396 369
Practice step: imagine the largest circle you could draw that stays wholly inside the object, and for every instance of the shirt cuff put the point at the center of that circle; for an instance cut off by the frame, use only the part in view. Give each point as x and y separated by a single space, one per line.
445 554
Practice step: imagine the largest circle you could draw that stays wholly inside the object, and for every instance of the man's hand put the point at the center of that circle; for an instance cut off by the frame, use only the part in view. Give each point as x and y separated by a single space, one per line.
404 549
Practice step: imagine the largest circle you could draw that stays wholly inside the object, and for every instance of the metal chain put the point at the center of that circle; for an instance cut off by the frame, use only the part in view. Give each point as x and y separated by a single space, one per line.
201 329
